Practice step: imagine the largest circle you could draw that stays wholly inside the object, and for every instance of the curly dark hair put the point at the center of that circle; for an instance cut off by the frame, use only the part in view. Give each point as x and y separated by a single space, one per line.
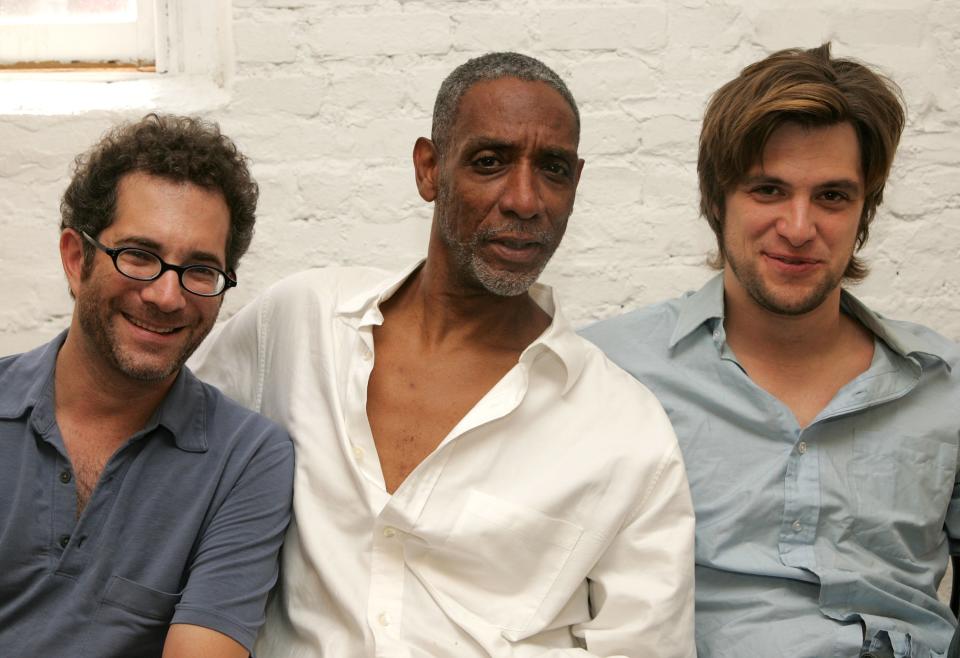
178 148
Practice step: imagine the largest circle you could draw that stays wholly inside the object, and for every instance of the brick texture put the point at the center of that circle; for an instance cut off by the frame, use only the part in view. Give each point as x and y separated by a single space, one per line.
328 97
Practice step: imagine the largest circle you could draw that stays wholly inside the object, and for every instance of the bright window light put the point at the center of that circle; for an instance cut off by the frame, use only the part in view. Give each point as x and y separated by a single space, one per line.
45 33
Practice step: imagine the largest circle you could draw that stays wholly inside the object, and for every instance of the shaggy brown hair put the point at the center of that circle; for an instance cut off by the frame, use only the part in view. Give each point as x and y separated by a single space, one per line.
178 148
813 89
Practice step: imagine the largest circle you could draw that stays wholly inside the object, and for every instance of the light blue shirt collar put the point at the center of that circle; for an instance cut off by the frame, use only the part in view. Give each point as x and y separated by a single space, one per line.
707 304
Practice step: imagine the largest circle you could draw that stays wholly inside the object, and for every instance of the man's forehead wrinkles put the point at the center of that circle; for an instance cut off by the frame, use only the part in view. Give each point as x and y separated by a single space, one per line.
499 143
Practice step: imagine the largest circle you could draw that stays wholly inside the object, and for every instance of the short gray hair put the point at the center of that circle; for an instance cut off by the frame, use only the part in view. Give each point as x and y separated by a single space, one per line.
491 66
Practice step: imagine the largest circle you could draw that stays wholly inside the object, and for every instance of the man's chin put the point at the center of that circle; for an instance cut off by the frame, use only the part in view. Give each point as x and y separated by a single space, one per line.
791 303
150 365
505 283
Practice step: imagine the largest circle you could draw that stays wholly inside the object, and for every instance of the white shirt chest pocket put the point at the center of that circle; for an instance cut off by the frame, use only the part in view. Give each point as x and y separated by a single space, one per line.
501 559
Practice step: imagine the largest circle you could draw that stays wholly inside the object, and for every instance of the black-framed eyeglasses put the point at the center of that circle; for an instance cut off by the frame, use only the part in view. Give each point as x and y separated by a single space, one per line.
142 265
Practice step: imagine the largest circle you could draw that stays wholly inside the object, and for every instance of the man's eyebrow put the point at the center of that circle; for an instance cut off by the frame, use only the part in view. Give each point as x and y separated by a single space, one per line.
481 143
152 245
560 152
761 179
844 184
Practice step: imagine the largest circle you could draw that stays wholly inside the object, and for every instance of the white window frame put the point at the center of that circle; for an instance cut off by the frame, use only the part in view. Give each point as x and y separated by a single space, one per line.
194 67
82 43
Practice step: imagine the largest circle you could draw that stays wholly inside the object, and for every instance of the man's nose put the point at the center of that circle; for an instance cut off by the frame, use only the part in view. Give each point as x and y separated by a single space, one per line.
522 197
165 292
797 224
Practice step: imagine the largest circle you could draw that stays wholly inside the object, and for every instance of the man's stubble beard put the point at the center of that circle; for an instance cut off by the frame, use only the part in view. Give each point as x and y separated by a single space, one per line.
95 314
753 283
471 265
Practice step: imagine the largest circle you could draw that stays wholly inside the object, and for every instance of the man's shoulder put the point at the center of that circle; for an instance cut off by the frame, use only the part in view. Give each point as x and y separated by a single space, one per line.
921 338
609 381
637 335
20 374
320 289
648 324
231 425
330 281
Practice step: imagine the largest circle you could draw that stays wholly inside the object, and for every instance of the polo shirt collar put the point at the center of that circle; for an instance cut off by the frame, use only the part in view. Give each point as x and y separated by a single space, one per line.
24 382
363 309
182 412
707 304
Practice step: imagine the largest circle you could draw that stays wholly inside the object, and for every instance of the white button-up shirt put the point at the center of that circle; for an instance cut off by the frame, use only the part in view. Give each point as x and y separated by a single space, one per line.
553 520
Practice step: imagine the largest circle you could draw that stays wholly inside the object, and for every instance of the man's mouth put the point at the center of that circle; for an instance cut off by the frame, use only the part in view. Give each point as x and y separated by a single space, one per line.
151 327
517 243
792 260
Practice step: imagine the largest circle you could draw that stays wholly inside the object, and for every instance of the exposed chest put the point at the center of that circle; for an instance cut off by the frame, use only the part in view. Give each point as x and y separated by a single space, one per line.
89 450
412 404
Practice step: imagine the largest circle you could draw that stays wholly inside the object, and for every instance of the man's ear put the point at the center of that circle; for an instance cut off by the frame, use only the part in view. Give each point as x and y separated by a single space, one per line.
71 255
426 166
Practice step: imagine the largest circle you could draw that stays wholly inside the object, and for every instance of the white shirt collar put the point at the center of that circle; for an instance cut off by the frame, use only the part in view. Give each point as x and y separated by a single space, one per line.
363 309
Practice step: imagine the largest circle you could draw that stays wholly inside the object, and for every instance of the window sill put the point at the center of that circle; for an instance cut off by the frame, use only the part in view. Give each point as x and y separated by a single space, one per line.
77 92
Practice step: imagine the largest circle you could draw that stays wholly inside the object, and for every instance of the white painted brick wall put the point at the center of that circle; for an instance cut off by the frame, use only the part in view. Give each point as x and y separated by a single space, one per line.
327 98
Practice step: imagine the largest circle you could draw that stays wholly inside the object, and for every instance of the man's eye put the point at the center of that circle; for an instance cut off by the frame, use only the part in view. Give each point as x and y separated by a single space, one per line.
557 169
137 257
486 162
766 190
202 274
833 196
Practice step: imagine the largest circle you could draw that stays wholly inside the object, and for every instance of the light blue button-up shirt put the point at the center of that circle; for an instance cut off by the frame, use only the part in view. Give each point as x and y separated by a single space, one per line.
808 536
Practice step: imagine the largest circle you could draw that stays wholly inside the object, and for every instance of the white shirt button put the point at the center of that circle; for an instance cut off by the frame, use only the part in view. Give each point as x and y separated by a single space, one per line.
384 619
389 532
358 453
802 447
367 354
796 526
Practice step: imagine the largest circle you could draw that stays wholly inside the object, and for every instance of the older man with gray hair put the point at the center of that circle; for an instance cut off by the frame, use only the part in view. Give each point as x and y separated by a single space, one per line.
462 486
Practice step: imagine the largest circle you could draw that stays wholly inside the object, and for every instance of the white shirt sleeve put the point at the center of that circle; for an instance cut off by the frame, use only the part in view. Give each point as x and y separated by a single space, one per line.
232 356
641 589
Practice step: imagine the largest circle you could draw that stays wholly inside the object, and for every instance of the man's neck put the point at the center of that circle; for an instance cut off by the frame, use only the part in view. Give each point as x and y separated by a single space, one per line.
781 337
87 388
450 314
803 360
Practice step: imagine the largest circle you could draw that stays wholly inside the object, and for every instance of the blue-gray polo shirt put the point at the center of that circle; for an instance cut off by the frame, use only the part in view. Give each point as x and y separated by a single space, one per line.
184 525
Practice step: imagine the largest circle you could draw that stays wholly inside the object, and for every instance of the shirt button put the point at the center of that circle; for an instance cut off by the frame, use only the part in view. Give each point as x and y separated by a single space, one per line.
384 619
389 532
796 526
802 447
65 477
367 354
358 453
64 540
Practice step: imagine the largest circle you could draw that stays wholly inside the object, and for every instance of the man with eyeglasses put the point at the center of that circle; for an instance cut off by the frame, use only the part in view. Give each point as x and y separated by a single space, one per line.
141 511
